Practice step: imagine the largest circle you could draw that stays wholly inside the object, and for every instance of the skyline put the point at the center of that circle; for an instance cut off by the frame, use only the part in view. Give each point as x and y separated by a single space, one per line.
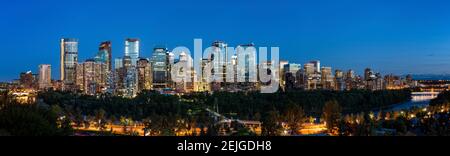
384 36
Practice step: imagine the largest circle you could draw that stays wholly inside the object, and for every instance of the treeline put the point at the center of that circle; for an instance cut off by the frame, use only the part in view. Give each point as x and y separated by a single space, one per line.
252 105
30 120
146 104
442 99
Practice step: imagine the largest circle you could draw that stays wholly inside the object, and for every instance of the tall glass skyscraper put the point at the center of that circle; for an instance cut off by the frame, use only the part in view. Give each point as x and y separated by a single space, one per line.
104 55
132 50
159 67
69 59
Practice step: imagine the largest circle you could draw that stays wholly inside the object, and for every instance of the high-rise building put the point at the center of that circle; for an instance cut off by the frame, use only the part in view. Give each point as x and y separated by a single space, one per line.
316 64
339 80
350 80
159 67
91 77
45 76
130 75
283 63
104 54
220 60
69 60
119 77
327 78
246 69
132 50
291 71
27 80
144 74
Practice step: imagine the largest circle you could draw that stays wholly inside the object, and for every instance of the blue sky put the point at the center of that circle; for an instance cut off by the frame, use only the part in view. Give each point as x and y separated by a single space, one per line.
411 36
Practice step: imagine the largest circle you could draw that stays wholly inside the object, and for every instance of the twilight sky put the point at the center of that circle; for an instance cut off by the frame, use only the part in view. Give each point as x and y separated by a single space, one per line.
390 36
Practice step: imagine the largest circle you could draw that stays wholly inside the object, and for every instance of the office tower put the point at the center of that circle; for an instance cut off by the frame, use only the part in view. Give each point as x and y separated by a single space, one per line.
368 74
144 75
132 50
220 60
159 67
119 77
45 76
310 76
379 82
339 80
350 82
369 79
247 71
203 84
79 80
184 74
68 59
91 77
327 80
316 64
27 80
130 77
104 55
291 71
309 68
282 73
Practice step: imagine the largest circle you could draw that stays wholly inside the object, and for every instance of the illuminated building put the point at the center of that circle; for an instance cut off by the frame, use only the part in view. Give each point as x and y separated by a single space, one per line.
132 50
246 68
91 77
45 77
69 60
27 80
339 80
119 77
144 75
130 77
350 80
159 68
311 76
327 79
316 64
104 56
220 60
291 72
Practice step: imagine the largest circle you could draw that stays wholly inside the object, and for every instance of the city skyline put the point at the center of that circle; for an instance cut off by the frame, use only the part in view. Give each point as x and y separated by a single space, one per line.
374 38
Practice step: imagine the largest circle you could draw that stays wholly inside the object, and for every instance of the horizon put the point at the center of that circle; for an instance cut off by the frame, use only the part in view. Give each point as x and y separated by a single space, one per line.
389 37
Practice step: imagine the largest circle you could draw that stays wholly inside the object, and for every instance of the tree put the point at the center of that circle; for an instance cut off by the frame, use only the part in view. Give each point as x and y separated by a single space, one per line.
100 119
271 124
294 117
30 120
332 115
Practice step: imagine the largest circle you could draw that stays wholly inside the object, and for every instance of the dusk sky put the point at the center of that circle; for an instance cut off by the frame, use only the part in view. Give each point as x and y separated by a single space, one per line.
400 37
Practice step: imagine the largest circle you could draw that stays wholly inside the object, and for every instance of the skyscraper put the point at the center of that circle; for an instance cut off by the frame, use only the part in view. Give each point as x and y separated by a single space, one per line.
104 55
131 79
220 60
45 80
132 50
69 59
144 74
316 64
159 67
327 78
91 77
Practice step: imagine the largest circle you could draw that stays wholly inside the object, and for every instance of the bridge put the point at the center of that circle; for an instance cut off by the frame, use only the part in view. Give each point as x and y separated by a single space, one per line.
423 96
